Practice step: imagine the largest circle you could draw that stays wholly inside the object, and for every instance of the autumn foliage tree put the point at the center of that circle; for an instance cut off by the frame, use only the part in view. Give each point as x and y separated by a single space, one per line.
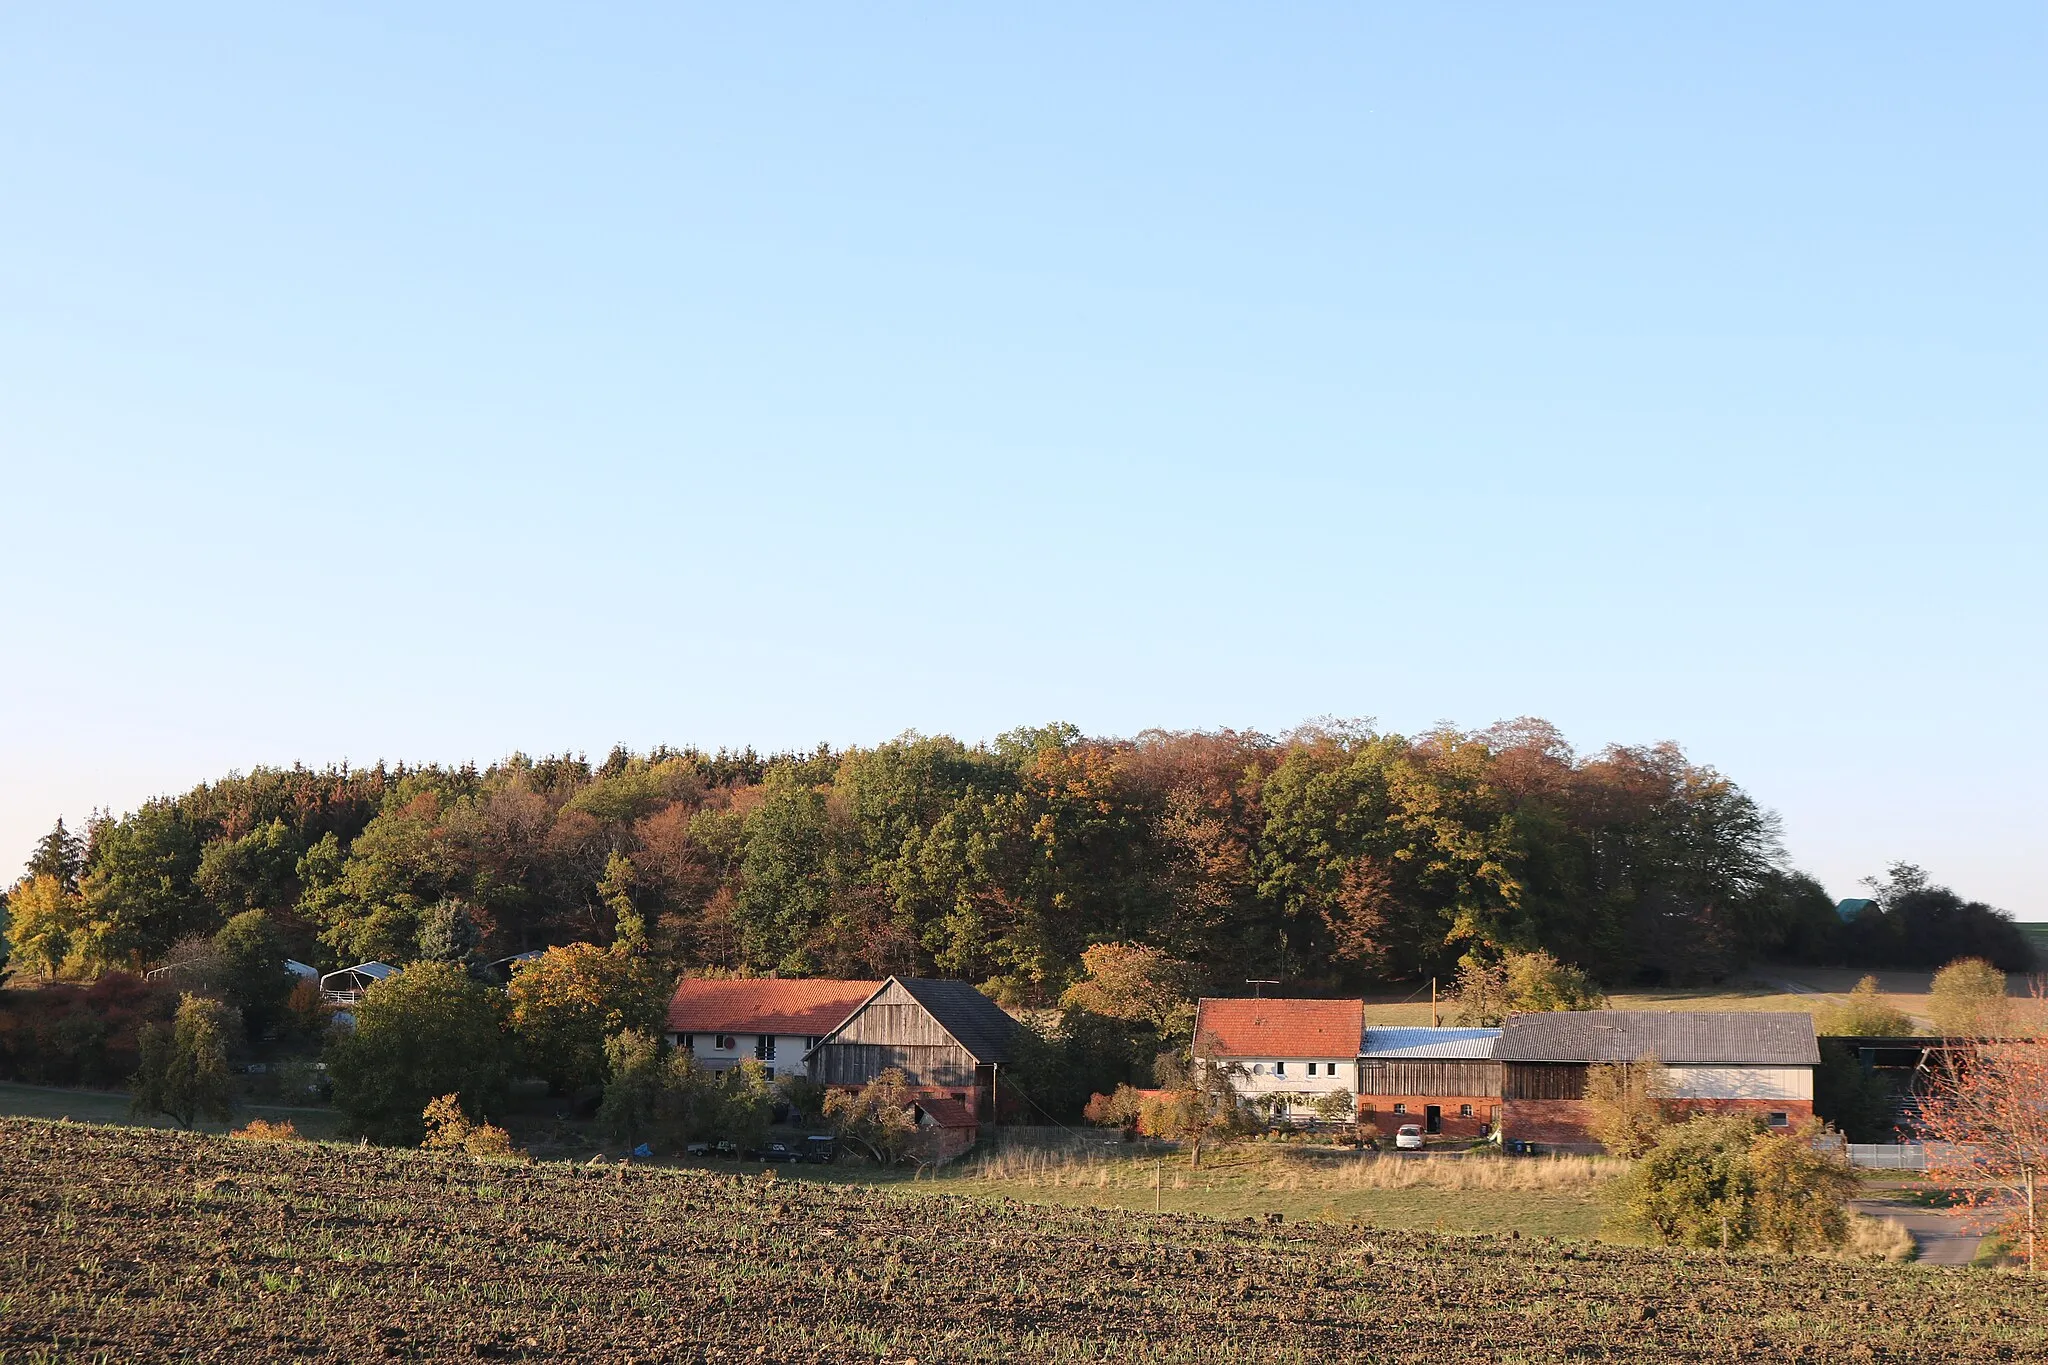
567 1002
1985 1120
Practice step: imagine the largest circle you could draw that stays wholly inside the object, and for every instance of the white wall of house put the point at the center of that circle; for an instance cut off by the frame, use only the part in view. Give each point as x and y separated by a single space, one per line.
1739 1082
786 1051
1257 1077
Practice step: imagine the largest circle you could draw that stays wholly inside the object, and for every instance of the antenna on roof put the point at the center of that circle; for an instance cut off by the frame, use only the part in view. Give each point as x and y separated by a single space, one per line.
1257 981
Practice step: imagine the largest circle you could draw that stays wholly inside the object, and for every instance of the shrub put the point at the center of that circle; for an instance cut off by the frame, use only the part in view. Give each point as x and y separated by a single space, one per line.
1878 1239
448 1129
1521 983
1626 1113
1968 1000
262 1130
1723 1181
1865 1015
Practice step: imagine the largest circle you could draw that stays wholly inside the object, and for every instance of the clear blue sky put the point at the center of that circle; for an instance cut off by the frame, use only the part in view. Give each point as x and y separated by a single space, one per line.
434 381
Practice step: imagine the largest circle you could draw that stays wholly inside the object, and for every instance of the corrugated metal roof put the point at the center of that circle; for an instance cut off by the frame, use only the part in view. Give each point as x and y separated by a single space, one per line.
1441 1044
791 1008
1733 1037
1279 1028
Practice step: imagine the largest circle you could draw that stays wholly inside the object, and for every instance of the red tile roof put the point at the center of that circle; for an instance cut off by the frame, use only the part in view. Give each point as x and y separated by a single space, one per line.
1279 1028
947 1113
804 1009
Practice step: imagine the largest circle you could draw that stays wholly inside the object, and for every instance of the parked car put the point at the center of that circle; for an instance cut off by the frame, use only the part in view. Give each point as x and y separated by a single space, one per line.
777 1151
823 1149
1408 1137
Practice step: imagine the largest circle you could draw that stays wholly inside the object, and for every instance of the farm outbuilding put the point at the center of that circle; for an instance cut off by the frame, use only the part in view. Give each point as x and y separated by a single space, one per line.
346 986
1707 1062
1444 1079
948 1126
946 1037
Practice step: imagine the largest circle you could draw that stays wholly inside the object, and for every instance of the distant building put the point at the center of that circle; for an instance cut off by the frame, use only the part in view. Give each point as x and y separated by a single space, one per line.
1708 1062
1282 1054
1444 1079
723 1023
947 1038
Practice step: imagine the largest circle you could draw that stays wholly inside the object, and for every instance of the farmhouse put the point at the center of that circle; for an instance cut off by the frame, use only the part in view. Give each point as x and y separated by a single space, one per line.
1737 1062
946 1037
1444 1079
1282 1055
722 1023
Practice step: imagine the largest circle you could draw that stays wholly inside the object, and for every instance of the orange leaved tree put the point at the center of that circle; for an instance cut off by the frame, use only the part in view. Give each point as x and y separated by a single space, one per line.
1985 1120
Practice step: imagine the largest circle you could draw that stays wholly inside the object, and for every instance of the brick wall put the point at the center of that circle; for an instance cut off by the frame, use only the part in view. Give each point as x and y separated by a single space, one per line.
1382 1118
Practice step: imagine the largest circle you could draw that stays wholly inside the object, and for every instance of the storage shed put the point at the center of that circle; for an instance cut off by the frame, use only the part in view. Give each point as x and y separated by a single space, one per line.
1444 1079
945 1036
1708 1062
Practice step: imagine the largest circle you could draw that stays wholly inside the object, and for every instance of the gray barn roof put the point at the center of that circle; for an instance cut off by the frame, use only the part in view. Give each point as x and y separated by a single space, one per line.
976 1022
1736 1038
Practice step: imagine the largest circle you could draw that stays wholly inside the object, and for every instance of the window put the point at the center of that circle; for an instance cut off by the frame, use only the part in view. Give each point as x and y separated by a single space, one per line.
1279 1068
1311 1068
687 1041
764 1047
1365 1110
726 1042
1400 1108
1778 1119
1464 1111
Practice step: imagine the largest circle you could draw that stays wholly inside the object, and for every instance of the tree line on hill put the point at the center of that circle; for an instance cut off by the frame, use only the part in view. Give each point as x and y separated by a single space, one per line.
1332 858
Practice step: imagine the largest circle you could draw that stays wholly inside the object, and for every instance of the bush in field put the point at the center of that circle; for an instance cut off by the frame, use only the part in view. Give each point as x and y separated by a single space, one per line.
1726 1182
1865 1015
448 1129
262 1130
185 1073
1118 1109
1800 1192
1626 1113
568 1001
429 1030
1968 1000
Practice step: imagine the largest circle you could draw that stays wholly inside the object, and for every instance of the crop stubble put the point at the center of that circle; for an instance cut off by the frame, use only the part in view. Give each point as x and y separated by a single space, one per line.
137 1245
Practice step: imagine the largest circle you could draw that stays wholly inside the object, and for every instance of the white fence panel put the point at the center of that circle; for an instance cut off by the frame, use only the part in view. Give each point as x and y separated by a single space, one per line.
1888 1156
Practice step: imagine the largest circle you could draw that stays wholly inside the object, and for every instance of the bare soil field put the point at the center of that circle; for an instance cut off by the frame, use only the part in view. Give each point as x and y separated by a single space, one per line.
131 1244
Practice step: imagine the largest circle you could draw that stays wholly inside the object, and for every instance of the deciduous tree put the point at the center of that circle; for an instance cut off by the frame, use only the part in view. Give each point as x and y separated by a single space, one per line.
427 1031
185 1071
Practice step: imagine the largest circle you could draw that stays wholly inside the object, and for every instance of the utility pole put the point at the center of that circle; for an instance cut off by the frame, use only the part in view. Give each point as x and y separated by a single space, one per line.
1255 982
1432 1002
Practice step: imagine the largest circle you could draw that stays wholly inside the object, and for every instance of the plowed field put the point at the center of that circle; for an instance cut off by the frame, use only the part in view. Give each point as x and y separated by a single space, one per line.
123 1244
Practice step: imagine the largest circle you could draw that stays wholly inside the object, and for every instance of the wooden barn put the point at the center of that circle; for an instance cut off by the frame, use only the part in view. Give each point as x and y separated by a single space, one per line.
1732 1062
946 1037
1443 1079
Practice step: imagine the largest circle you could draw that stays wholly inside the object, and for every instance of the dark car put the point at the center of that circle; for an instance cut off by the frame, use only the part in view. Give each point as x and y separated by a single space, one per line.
780 1151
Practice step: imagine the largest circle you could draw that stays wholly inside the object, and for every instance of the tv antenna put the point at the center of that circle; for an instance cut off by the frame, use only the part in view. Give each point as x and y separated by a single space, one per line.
1257 981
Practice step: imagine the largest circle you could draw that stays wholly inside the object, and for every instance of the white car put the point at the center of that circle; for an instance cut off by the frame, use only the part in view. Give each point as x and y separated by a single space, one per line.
1408 1137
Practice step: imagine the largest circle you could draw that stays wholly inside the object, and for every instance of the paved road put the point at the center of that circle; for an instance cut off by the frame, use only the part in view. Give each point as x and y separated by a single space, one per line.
1942 1236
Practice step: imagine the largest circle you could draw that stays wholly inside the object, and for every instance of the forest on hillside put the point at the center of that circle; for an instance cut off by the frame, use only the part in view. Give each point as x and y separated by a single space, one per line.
1333 857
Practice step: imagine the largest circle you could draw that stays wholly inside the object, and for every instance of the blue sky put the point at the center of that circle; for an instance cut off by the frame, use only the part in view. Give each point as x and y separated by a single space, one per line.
431 382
